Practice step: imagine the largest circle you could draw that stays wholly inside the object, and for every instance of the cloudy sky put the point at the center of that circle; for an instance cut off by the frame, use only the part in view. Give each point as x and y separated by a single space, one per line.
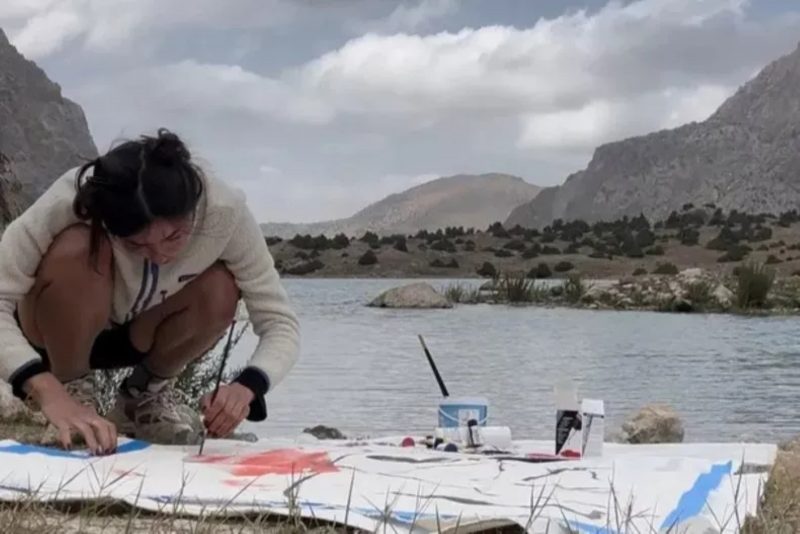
317 107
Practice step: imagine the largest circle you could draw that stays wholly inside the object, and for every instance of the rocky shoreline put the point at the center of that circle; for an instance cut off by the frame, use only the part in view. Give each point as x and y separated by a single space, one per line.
752 290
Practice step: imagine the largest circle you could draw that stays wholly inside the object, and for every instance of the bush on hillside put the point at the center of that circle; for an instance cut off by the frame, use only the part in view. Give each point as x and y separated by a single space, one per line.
487 270
368 258
563 267
668 268
540 271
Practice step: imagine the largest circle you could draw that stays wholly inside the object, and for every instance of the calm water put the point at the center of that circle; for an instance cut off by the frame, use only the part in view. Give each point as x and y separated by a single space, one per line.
362 369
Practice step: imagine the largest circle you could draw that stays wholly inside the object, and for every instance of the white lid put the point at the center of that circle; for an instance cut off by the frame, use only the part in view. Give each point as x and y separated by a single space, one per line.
450 401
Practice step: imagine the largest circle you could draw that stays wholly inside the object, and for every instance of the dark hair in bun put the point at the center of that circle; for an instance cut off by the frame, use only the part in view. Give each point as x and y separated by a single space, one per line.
135 183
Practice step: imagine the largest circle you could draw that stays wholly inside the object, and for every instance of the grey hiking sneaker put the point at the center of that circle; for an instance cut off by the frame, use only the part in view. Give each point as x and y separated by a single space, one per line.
156 417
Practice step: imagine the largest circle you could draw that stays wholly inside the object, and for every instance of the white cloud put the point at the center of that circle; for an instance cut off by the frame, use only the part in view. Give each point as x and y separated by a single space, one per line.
414 17
117 25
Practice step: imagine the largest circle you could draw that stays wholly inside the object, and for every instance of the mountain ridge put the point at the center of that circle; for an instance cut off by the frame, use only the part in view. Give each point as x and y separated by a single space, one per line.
458 200
744 156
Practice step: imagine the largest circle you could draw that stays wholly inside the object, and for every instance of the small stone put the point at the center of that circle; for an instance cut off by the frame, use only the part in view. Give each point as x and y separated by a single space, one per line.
325 432
655 423
723 296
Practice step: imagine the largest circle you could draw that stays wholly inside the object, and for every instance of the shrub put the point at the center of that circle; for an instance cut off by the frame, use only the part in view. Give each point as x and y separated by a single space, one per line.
443 245
498 231
340 241
462 294
668 268
540 271
301 255
772 259
469 246
401 245
754 283
307 242
305 268
550 251
438 263
369 258
548 237
689 237
762 233
487 270
657 250
574 288
273 240
573 248
371 239
640 271
699 293
503 253
530 253
735 253
645 238
563 267
723 240
515 244
516 288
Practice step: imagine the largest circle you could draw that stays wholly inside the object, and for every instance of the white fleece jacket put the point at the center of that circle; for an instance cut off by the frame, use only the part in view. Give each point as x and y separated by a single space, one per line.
225 230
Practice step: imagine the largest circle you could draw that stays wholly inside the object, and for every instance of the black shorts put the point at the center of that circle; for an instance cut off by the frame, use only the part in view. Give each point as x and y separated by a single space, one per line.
112 348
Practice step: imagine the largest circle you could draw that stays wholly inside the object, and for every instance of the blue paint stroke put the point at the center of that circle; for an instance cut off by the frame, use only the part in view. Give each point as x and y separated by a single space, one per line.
694 500
20 448
590 529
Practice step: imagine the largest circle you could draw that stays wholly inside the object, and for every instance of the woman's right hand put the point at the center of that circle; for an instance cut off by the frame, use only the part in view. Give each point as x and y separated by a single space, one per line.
66 414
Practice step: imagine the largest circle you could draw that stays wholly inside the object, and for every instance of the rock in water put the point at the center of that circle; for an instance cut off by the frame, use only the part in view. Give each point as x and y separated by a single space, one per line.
653 424
325 432
418 295
42 133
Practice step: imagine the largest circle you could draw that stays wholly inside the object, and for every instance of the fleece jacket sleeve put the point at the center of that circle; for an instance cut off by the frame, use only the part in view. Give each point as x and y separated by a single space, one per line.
22 246
273 319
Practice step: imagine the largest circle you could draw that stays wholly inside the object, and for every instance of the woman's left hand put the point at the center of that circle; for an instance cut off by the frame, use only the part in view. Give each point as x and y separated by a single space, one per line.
230 408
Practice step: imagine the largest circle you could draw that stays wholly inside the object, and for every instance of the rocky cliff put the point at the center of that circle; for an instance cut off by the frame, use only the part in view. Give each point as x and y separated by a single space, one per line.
42 134
746 156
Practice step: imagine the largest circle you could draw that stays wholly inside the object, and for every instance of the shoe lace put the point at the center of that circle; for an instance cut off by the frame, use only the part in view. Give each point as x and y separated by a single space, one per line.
165 402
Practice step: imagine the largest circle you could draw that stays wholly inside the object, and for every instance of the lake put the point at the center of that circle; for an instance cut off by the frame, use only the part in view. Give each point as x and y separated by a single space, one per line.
363 371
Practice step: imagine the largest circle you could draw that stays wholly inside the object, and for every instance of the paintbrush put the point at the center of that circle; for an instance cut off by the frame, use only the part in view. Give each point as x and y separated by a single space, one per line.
439 380
219 379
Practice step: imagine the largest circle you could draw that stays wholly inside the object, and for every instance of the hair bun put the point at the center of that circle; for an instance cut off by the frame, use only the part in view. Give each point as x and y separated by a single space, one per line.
168 149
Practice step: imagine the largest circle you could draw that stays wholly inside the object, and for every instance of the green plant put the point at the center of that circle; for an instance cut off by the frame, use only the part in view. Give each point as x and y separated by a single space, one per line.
640 271
459 293
515 288
754 283
657 250
503 253
369 258
574 288
666 269
540 271
487 270
563 267
699 293
772 259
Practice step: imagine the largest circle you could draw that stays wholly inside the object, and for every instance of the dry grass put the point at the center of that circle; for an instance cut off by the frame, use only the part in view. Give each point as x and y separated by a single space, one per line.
779 512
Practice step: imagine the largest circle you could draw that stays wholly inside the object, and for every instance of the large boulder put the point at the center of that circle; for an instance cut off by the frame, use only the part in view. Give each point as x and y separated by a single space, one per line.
653 424
418 295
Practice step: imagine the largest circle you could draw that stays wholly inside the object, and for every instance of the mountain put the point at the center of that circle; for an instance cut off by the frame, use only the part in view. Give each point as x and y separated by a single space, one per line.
746 156
42 134
461 200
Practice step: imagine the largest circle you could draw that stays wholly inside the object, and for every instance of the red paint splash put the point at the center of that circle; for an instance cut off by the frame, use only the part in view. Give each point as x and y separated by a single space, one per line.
276 462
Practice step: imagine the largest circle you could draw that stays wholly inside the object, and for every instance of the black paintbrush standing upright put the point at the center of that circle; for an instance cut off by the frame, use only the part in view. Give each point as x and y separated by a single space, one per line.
219 379
439 380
